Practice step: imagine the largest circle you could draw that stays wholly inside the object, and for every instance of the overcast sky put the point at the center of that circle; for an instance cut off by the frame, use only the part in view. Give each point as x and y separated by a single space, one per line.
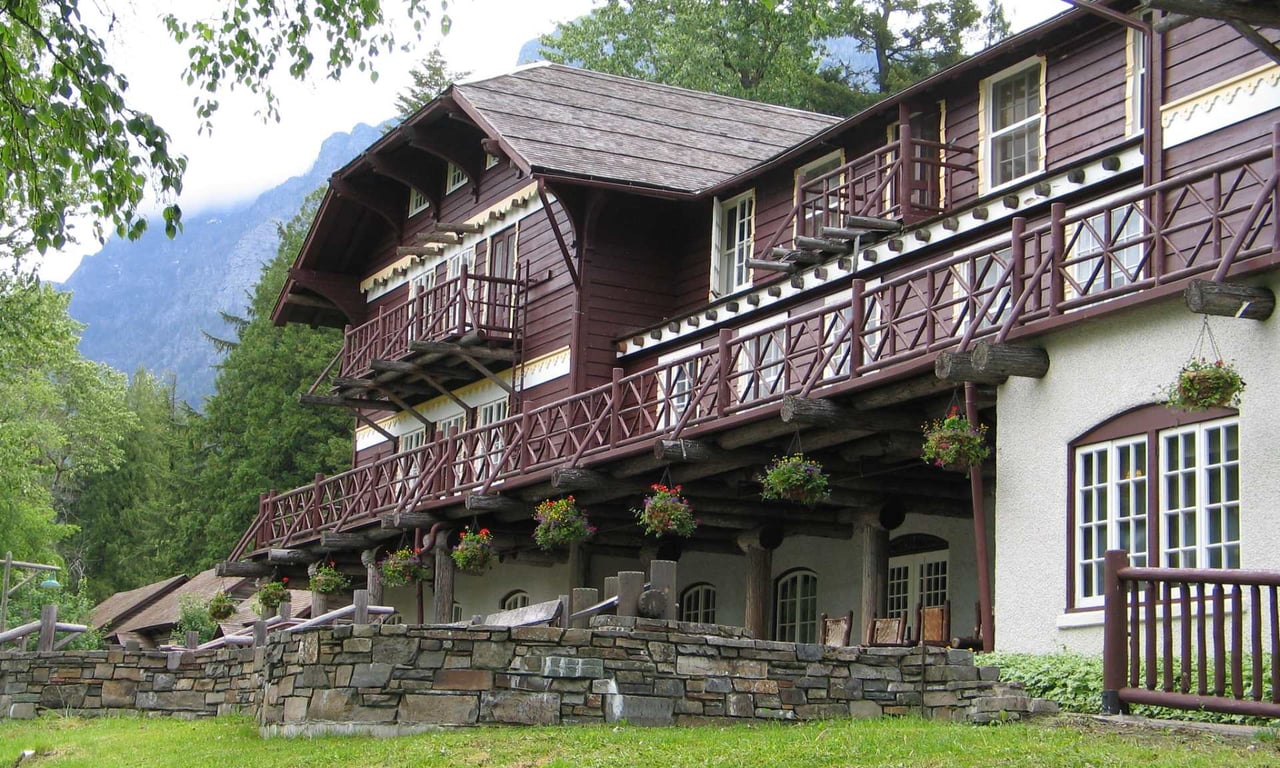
245 156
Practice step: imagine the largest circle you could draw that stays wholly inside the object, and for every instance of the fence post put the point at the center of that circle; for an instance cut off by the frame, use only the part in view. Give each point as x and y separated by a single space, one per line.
193 638
662 576
615 407
630 584
1057 256
610 587
583 598
723 392
48 624
259 633
360 602
1115 634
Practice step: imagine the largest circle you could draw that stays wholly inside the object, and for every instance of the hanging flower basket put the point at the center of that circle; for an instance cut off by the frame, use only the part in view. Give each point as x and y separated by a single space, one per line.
794 478
327 579
474 552
560 523
954 443
1202 385
220 606
665 512
404 566
271 595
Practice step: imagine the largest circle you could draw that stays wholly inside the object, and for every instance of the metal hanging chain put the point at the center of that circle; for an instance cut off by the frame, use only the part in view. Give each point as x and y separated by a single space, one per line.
796 446
955 403
666 477
1206 331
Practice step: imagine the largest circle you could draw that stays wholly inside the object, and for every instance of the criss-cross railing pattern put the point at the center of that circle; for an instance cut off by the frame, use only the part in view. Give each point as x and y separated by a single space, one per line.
1065 263
466 304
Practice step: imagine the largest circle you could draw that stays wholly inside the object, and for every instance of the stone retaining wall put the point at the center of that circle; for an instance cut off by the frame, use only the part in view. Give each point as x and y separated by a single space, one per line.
399 679
181 683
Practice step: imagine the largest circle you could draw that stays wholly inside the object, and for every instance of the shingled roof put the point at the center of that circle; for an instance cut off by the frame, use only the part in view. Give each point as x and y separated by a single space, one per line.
573 122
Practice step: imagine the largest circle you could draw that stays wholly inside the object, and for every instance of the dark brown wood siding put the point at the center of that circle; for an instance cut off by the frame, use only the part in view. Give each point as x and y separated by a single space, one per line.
1085 93
627 277
550 300
1204 53
1235 139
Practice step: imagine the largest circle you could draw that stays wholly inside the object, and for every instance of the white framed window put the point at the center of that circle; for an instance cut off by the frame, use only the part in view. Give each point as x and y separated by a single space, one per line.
837 331
456 260
490 161
677 382
732 243
418 202
455 423
456 613
1108 251
761 369
795 607
820 202
490 442
698 604
1136 79
1197 495
454 179
410 441
514 600
1014 118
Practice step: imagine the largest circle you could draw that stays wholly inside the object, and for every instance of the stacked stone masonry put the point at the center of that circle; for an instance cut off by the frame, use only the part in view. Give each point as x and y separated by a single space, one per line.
394 679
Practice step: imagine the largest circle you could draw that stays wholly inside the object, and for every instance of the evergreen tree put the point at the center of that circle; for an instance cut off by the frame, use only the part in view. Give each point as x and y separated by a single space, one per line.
428 79
255 435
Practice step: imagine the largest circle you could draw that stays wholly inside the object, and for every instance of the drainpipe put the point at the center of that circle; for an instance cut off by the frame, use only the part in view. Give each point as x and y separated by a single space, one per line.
977 493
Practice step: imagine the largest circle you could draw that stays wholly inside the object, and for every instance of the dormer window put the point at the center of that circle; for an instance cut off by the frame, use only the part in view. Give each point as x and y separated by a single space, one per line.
455 178
418 202
490 161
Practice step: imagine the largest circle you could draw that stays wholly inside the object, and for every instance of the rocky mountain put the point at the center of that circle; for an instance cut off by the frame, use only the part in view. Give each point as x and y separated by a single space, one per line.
146 303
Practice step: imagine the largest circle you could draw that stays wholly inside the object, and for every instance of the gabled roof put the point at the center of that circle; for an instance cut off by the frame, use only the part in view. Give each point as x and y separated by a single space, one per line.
121 606
163 612
573 122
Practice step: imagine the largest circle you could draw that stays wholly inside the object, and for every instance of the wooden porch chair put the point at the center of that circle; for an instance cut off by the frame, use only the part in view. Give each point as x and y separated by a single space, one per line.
887 632
836 631
934 624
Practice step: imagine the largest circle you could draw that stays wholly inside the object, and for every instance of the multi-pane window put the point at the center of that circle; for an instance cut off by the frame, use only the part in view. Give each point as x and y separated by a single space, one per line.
1138 80
765 365
819 197
733 242
838 333
413 440
698 604
418 202
455 178
677 385
1197 493
1108 250
490 161
975 279
455 423
795 609
490 442
1014 119
514 600
915 580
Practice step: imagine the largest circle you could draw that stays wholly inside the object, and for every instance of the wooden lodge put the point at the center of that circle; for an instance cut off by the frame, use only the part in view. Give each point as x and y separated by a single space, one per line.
560 282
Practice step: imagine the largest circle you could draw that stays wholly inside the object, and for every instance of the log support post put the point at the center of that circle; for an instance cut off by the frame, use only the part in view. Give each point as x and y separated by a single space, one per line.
360 602
759 577
1115 632
874 540
442 599
978 500
1001 360
960 367
373 575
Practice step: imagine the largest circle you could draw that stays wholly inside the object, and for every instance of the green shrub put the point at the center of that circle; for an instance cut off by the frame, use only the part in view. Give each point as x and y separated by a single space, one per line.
193 616
1074 680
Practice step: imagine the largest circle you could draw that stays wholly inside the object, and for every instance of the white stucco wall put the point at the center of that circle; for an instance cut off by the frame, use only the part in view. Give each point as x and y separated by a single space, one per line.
1098 370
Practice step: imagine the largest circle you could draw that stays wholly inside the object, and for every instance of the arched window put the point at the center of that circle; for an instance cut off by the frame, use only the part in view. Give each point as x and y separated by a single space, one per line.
698 603
1162 484
513 600
795 607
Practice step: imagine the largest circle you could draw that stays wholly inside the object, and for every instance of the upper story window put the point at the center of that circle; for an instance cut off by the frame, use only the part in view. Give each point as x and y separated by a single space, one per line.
454 179
413 440
418 202
733 241
1136 98
1014 118
698 604
1108 250
490 161
795 607
677 382
1167 493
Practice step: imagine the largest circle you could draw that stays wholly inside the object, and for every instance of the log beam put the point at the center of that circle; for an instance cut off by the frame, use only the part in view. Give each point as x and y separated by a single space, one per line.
958 367
418 250
404 520
824 414
577 479
450 348
331 541
685 450
290 557
1252 302
1009 360
502 505
243 569
881 444
460 228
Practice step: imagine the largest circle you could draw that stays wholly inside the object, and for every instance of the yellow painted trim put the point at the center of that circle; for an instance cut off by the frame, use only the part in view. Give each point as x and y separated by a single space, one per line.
983 173
942 154
984 85
1204 97
1130 72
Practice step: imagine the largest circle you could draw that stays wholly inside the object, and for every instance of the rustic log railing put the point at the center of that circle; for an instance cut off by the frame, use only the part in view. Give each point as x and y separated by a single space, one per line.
489 307
1177 637
878 185
893 325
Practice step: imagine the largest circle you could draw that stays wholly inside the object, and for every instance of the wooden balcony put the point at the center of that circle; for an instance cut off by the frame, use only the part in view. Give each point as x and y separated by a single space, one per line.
449 334
1219 220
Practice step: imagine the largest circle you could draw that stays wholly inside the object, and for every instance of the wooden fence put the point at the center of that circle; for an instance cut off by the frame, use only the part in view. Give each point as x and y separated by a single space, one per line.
1190 638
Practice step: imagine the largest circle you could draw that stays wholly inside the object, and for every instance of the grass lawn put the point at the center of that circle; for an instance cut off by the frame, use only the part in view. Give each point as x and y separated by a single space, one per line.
907 742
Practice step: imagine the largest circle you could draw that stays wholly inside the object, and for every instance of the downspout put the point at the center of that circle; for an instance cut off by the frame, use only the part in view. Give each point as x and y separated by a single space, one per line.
977 492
